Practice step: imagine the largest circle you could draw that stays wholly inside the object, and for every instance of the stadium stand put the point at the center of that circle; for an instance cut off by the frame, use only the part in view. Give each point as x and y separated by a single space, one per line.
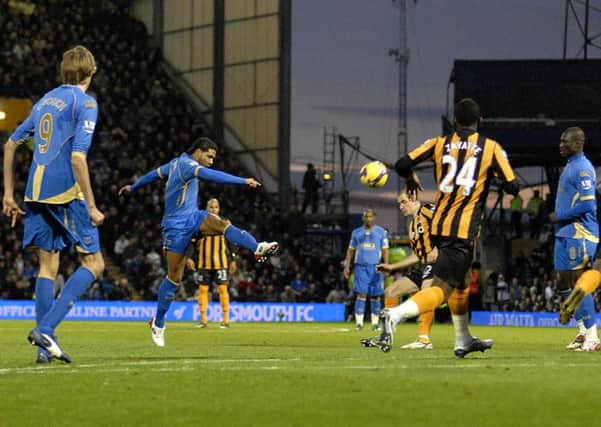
143 122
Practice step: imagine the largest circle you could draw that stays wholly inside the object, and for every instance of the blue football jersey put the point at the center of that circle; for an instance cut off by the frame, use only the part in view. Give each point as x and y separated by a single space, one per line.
368 244
577 185
181 189
62 122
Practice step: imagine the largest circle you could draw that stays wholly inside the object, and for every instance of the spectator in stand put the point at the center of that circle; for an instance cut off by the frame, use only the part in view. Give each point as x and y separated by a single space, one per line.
516 215
488 298
123 290
336 296
299 284
288 295
549 291
311 186
535 214
270 294
502 291
119 247
515 293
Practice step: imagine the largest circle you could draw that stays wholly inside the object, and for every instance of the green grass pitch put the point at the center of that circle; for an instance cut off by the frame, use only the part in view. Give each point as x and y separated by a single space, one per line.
290 374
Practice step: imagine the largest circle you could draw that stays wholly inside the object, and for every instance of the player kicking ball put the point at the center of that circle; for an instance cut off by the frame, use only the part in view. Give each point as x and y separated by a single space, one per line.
182 220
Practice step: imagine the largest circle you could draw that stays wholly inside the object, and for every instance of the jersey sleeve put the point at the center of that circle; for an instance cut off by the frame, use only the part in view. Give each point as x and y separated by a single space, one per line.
23 131
159 173
353 243
218 176
384 243
585 183
423 152
86 116
187 167
501 165
583 178
163 170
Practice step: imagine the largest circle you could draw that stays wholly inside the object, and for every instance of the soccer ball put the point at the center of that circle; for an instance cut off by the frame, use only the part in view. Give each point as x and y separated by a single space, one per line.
373 174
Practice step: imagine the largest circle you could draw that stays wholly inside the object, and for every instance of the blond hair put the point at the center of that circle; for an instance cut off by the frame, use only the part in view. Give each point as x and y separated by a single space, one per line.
77 65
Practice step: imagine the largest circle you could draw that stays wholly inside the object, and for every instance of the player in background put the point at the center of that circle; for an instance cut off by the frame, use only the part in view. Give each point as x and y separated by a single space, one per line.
60 210
368 246
213 267
465 163
424 254
182 220
576 231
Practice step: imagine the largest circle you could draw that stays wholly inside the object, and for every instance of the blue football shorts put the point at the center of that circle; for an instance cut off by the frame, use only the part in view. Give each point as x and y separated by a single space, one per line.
368 280
56 227
179 231
573 254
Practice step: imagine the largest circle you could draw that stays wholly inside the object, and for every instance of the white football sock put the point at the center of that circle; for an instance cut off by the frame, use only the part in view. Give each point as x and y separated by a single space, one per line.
581 328
404 311
359 319
375 319
462 332
591 334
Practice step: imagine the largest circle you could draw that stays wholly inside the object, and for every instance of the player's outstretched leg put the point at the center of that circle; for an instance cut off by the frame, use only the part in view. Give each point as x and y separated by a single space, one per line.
243 238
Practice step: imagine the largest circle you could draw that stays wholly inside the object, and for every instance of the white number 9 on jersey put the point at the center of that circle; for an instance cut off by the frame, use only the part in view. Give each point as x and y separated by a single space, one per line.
465 177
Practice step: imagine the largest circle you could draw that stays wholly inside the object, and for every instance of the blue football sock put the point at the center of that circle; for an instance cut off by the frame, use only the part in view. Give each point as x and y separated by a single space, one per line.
241 238
376 305
587 310
360 306
44 297
75 286
166 296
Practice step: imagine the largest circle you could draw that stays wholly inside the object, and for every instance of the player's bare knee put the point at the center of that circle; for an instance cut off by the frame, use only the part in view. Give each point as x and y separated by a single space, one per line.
175 274
222 224
94 263
442 284
49 264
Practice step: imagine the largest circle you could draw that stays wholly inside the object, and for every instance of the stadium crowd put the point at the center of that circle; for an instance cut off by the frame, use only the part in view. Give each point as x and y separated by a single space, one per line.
142 123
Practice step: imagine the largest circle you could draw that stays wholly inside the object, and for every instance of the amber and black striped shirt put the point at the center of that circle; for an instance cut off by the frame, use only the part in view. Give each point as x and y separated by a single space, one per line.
212 252
419 232
464 167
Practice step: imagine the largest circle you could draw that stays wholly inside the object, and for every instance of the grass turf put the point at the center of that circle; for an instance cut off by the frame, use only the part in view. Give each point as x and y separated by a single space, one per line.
290 374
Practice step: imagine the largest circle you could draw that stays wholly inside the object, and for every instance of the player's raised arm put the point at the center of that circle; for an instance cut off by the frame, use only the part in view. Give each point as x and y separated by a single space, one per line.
221 177
404 263
162 172
404 166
